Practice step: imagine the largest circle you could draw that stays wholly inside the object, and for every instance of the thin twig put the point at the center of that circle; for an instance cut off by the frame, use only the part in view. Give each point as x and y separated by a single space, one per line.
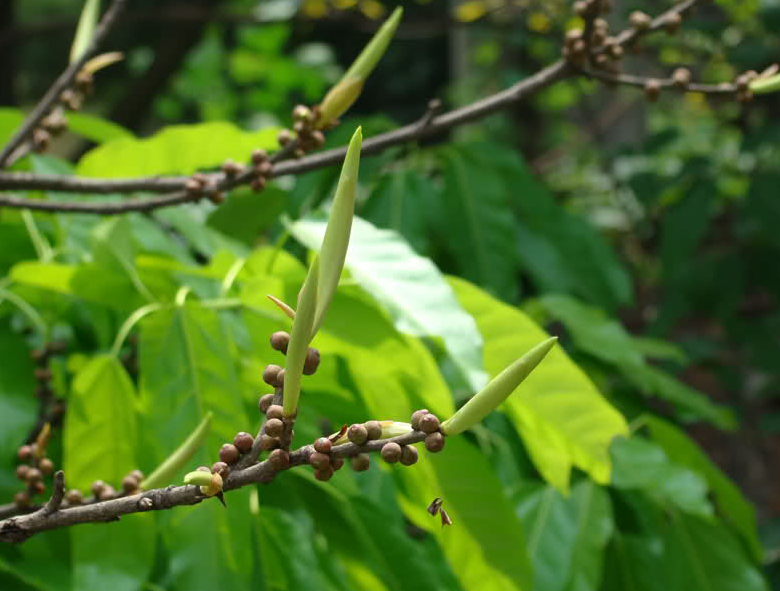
63 82
58 493
19 528
641 81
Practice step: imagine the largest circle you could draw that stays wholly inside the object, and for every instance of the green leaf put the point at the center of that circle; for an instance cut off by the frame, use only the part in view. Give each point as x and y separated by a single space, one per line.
86 28
641 465
176 149
595 526
96 129
732 504
187 369
559 413
408 286
479 228
245 215
24 562
100 442
605 339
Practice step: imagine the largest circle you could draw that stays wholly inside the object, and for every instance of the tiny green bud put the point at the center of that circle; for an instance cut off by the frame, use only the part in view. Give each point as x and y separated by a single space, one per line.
495 392
765 85
198 478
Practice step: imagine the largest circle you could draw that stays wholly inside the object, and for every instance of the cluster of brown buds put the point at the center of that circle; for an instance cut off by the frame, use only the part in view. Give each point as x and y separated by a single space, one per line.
201 185
102 491
308 136
35 465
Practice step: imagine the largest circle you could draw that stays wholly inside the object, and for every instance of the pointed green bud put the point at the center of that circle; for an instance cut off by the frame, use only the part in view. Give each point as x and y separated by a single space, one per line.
300 337
497 390
346 92
765 85
336 239
165 472
85 29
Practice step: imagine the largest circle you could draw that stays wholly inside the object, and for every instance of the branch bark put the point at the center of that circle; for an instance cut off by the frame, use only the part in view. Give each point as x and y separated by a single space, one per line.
19 528
63 82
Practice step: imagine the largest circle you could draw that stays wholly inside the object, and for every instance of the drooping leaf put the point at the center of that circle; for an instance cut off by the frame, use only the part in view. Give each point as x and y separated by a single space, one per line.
409 286
187 369
479 228
731 503
558 412
100 443
641 465
179 149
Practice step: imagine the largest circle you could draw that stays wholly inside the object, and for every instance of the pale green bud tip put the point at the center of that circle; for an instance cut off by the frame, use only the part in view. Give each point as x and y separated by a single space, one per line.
198 478
336 239
766 85
498 390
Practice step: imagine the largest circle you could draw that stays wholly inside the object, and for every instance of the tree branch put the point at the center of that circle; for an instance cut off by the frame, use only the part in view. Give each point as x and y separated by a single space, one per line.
18 529
63 82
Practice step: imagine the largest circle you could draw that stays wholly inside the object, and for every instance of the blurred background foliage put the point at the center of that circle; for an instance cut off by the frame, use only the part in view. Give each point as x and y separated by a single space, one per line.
644 235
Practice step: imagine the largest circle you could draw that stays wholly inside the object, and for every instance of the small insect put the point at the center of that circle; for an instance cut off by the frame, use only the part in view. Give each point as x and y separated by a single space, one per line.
436 507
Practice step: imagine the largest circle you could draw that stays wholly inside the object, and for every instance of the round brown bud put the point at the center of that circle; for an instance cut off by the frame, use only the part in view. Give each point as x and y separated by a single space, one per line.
24 453
323 445
257 184
22 499
73 497
97 487
601 24
324 475
312 361
391 452
270 373
578 47
221 468
42 374
243 441
681 77
284 137
337 463
231 168
46 466
38 487
41 139
416 416
434 442
672 23
280 378
22 471
573 35
373 429
357 434
280 340
319 461
274 427
279 459
228 453
264 403
408 455
299 127
275 411
299 153
107 493
639 20
616 51
652 89
360 463
33 475
129 484
259 155
265 168
598 36
267 442
318 138
138 475
429 423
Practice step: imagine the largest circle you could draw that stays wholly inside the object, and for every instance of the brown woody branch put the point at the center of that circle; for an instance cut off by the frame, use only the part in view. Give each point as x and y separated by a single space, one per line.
19 528
642 81
62 83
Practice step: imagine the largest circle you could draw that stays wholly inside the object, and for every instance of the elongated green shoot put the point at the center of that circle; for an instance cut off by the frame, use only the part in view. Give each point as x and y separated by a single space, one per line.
336 239
300 337
347 90
165 472
766 85
85 29
496 391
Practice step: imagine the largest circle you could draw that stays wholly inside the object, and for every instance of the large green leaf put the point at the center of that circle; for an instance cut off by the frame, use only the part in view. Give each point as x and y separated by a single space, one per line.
732 504
100 442
639 464
409 286
557 410
605 339
187 369
478 225
176 149
595 526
